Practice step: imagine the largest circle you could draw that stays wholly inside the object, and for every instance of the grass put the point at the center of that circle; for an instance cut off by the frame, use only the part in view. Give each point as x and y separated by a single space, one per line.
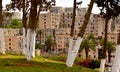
17 63
61 57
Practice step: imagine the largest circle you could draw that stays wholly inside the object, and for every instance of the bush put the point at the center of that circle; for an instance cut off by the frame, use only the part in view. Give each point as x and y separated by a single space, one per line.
84 63
89 63
94 64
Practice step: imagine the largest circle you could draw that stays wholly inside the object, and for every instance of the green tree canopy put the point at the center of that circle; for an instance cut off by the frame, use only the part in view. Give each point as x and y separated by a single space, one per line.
39 46
88 44
49 42
113 7
15 24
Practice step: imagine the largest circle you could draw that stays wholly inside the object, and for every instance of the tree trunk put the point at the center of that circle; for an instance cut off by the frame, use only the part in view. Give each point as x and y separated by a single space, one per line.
40 37
105 39
33 41
2 41
28 54
24 23
73 19
116 63
109 56
86 53
68 61
102 65
1 18
72 53
24 40
86 20
31 30
69 52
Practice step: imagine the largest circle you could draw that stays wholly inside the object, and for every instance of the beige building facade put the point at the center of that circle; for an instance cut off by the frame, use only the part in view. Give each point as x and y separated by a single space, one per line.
13 40
96 26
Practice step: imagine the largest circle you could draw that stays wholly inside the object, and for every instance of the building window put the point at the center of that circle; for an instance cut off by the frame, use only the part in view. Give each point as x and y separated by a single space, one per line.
44 19
9 47
44 15
67 13
9 43
44 22
9 39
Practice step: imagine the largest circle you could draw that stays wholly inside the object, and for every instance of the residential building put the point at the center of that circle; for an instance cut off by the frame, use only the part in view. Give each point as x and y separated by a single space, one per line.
60 19
13 40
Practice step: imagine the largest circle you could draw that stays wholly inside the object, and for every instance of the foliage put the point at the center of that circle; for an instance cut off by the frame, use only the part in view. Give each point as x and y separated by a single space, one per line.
40 32
84 63
17 63
31 7
110 45
94 64
88 44
90 63
39 46
15 24
112 6
49 42
91 37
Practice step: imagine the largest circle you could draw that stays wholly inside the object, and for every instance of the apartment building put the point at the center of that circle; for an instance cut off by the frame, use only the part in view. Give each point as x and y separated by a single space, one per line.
13 40
49 20
62 38
96 25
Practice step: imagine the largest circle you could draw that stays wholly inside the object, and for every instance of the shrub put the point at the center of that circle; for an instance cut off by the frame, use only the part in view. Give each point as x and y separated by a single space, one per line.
94 64
84 63
89 63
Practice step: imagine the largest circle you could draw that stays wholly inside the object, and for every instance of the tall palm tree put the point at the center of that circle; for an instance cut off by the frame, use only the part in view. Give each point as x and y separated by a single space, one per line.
91 37
73 52
110 49
87 45
49 42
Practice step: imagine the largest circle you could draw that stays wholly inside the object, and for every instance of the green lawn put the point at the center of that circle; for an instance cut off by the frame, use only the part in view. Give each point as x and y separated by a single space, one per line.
17 63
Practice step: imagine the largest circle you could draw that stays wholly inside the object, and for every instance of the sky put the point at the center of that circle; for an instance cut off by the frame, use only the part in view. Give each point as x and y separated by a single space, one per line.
67 3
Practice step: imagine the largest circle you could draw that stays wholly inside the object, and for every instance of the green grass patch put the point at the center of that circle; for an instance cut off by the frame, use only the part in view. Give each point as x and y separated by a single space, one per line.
17 63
